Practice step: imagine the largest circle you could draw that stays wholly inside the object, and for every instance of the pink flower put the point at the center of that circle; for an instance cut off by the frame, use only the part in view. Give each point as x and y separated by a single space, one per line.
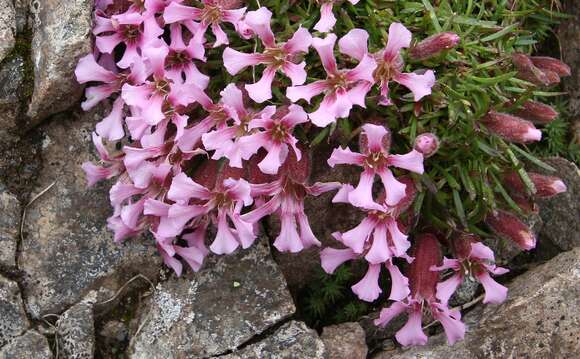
276 136
327 19
422 299
114 164
378 236
225 140
88 70
287 201
477 260
367 288
375 160
213 13
342 88
194 200
133 28
276 56
389 61
179 65
229 117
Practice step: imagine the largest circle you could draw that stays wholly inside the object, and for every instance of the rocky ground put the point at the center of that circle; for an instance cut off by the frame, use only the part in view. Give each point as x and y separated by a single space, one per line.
67 291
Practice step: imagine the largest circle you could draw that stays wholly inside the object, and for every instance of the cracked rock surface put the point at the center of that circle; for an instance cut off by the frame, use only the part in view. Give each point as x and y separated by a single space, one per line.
9 220
76 332
232 299
62 27
7 27
31 345
294 340
67 249
13 321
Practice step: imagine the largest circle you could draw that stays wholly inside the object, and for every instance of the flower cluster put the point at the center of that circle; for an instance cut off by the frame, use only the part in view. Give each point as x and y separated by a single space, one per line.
186 165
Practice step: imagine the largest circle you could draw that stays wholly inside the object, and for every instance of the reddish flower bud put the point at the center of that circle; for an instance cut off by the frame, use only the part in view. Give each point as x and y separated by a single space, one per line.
526 204
433 45
511 128
461 244
427 144
299 171
537 112
254 174
510 227
421 278
546 63
529 72
546 186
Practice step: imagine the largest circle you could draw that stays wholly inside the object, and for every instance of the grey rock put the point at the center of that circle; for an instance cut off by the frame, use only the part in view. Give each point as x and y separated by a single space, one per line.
325 218
11 88
62 35
217 309
7 27
379 338
14 321
346 340
465 292
22 8
540 319
31 345
76 332
294 340
561 213
9 221
67 249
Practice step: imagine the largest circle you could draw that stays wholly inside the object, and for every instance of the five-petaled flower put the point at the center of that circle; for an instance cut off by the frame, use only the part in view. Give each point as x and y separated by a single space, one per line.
276 56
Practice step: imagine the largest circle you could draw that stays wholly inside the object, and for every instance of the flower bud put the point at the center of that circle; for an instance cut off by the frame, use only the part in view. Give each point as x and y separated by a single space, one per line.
529 72
537 112
461 244
427 144
427 254
511 128
433 45
510 227
546 186
546 63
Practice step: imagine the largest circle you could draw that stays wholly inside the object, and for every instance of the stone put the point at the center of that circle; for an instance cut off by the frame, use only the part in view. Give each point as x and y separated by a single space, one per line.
325 218
346 340
9 222
76 332
31 345
561 212
14 321
229 301
22 8
11 88
540 319
465 292
294 340
7 27
67 249
62 35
